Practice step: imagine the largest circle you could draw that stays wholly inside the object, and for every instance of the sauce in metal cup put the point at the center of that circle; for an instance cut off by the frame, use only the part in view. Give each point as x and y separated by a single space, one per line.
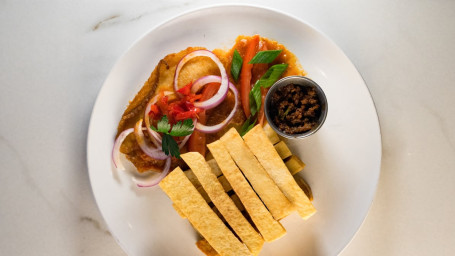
295 107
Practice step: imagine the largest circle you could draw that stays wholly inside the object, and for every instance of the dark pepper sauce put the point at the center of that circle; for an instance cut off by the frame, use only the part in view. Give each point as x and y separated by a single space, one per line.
295 108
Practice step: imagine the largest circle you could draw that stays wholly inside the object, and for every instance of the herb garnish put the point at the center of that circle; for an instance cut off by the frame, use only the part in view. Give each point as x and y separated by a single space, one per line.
247 126
285 114
267 80
236 65
272 75
265 56
169 145
255 98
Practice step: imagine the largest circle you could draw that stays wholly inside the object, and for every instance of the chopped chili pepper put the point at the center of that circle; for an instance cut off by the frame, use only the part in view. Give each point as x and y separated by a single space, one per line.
193 97
185 90
155 112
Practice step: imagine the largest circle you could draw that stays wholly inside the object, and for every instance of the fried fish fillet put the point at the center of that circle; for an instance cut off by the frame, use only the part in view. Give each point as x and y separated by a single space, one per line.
162 79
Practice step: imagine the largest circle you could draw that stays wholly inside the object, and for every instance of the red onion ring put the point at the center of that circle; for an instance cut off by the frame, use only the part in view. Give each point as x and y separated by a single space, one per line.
115 155
215 128
155 153
153 180
222 91
155 137
198 84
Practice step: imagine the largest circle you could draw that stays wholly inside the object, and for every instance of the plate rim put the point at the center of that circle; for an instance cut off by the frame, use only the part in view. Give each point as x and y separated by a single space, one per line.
231 5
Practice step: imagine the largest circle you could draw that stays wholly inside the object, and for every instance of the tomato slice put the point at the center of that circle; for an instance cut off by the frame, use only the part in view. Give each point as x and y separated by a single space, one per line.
197 141
258 71
155 112
193 113
185 90
245 74
193 97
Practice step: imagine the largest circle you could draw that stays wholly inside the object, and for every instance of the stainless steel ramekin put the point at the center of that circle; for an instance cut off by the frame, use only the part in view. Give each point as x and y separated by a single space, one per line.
303 81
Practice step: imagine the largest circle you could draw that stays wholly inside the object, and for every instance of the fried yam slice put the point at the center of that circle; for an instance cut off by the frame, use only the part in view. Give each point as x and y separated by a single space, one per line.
265 187
223 202
185 196
160 79
179 211
271 134
294 164
235 198
263 149
215 168
283 150
269 228
305 187
206 248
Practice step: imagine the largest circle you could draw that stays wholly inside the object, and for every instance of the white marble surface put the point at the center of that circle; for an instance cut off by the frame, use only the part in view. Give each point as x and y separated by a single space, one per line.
55 56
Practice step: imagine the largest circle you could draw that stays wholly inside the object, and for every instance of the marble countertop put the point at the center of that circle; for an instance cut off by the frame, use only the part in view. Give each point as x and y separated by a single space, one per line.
55 56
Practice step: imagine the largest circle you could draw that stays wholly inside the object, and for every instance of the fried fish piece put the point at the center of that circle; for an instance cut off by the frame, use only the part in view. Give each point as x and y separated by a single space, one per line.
185 196
179 211
263 150
161 79
223 202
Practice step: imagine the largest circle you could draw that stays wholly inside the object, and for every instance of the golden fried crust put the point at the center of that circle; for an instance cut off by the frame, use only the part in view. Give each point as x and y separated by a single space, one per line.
265 187
263 149
214 166
269 228
185 196
271 134
283 150
206 248
162 79
223 202
294 164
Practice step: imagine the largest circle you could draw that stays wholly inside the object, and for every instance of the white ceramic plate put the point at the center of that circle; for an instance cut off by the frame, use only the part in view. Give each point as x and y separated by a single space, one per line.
343 158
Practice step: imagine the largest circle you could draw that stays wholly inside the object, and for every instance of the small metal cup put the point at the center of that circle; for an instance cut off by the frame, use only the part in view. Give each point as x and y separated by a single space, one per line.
302 81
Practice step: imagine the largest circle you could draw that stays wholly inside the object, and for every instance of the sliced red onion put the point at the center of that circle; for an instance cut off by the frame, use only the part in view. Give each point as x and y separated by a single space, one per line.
116 149
198 84
155 137
153 179
155 153
215 128
222 91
